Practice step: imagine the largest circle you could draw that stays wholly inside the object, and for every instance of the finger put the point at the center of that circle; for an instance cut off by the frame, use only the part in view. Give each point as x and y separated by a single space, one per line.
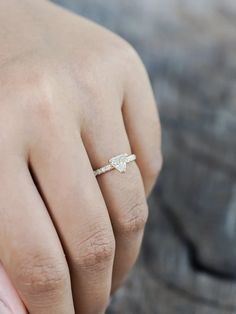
67 182
29 247
142 123
123 193
10 302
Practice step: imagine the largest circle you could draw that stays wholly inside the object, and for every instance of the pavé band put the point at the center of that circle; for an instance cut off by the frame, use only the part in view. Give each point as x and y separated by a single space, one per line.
118 162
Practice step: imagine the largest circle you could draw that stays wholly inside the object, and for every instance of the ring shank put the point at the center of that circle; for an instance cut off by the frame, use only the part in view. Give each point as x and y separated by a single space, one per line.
130 158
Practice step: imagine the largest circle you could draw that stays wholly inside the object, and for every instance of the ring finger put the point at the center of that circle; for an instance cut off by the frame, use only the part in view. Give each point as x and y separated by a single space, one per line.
123 193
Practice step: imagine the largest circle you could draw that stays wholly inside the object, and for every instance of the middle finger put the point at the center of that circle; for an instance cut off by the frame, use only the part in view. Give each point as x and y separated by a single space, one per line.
77 207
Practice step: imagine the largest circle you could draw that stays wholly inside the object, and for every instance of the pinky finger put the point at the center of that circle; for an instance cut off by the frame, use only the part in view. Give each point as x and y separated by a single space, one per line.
10 302
142 123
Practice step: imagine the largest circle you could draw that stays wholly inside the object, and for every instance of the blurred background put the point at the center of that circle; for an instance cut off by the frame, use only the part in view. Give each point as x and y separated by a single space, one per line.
188 260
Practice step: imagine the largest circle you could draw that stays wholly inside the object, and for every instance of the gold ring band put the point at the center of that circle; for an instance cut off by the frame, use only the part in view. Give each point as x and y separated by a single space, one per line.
118 162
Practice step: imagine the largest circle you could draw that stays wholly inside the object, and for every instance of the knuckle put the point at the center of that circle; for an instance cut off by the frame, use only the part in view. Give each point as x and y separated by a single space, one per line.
27 81
38 82
42 109
135 218
133 59
42 275
129 51
97 250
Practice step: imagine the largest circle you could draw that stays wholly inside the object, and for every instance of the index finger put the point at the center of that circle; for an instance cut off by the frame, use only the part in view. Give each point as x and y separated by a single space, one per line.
30 249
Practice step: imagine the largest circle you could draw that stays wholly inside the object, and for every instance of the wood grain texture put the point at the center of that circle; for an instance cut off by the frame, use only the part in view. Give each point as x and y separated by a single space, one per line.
188 261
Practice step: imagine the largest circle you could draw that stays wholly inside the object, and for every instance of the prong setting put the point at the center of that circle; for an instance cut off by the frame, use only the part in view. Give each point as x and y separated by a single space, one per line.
118 162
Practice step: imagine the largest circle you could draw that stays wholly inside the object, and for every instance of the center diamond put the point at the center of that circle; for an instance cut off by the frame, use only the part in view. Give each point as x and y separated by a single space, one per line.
119 162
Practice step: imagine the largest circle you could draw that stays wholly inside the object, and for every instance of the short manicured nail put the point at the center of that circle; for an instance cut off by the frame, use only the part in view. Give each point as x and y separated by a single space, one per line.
4 309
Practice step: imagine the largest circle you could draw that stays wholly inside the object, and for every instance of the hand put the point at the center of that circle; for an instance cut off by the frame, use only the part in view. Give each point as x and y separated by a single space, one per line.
72 95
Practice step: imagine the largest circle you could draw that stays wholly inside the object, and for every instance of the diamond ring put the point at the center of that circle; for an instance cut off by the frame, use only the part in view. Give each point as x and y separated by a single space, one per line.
118 162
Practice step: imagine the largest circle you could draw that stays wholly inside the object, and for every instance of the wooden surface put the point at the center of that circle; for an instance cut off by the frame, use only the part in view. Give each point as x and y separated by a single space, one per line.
188 261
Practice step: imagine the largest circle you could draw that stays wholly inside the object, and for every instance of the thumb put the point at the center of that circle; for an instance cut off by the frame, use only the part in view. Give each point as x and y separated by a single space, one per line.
10 302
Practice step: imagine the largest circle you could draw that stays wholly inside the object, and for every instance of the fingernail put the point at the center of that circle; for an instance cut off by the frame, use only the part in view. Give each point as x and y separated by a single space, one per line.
4 309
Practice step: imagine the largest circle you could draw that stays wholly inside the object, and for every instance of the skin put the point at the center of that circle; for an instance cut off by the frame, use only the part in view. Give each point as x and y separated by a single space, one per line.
72 95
